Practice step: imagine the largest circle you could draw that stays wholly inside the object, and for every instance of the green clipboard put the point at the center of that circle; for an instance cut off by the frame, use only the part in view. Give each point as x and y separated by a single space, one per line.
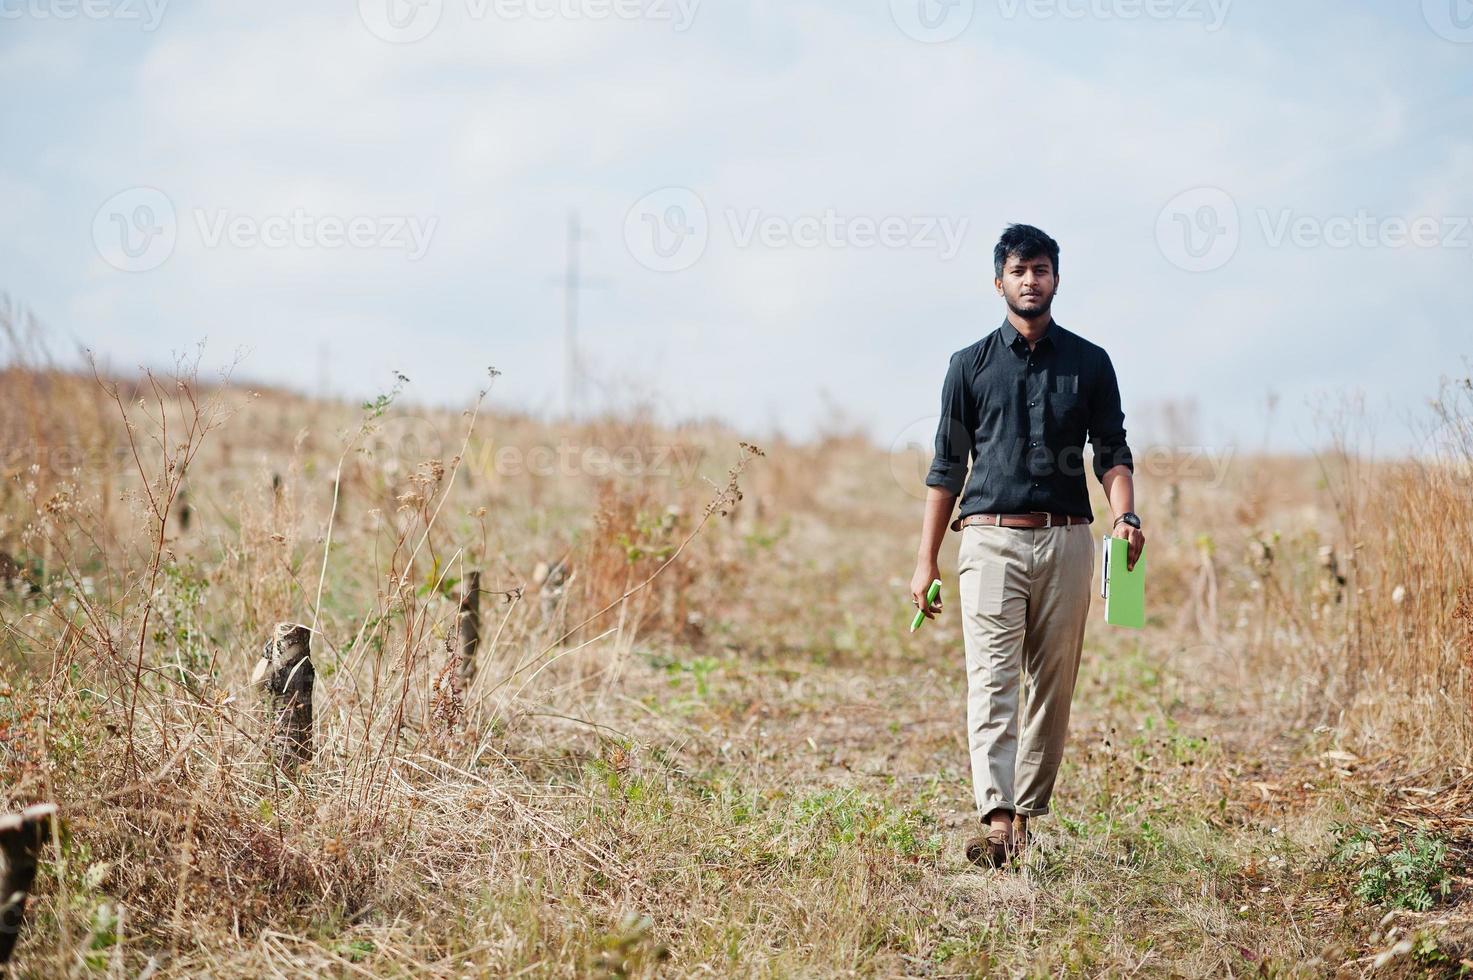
1124 589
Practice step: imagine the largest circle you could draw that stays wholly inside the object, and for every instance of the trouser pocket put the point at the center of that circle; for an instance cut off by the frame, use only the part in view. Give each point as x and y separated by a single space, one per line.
986 570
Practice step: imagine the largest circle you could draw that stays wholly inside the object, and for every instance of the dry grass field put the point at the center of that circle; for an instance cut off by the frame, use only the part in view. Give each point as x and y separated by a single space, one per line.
698 739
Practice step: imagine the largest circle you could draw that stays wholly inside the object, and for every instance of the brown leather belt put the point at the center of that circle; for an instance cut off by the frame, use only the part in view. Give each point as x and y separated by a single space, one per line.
1036 519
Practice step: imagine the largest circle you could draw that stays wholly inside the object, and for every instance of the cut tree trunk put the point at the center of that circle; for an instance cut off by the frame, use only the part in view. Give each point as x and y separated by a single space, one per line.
21 838
286 673
468 628
184 511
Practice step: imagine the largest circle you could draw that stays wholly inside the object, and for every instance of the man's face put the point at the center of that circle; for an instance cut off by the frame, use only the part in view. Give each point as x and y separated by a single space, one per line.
1028 285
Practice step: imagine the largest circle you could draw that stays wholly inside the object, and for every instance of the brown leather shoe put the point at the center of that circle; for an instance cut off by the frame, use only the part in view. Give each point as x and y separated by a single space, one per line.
1021 838
989 850
993 847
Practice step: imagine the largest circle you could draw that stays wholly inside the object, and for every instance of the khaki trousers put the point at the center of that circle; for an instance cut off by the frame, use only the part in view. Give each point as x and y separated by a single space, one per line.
1025 597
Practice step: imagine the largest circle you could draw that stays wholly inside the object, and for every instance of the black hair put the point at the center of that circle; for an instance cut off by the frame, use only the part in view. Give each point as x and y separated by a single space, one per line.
1026 242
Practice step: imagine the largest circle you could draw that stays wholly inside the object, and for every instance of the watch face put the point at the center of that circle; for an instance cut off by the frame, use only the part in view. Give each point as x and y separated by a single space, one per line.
1133 520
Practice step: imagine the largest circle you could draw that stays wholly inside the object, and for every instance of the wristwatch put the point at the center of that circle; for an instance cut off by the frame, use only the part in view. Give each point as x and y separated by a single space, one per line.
1130 518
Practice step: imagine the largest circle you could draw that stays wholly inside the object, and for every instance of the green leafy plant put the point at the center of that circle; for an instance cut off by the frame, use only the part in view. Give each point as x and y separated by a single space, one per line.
1413 877
380 404
846 817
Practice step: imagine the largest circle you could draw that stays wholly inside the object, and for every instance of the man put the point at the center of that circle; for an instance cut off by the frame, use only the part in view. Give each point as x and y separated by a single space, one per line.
1021 401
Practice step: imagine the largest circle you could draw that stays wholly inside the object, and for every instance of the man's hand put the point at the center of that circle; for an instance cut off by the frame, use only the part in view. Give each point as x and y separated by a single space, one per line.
920 584
1136 539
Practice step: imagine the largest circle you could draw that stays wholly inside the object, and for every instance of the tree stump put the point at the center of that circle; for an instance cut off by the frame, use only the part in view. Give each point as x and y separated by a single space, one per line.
552 585
21 838
183 509
468 628
286 674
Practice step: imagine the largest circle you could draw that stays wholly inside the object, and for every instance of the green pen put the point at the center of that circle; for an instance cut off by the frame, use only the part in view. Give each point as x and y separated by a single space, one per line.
931 594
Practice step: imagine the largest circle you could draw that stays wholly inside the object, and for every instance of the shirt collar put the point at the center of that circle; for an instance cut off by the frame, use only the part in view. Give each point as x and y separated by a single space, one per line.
1010 336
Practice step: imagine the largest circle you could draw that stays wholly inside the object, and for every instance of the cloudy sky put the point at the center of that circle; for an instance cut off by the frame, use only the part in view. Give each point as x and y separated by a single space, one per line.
787 206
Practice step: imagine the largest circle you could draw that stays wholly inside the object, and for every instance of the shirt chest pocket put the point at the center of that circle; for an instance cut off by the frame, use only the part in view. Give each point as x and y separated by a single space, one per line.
1066 411
1066 404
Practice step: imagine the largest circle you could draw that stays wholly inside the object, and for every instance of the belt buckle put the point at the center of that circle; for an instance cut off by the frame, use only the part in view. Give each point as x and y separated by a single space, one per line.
1048 517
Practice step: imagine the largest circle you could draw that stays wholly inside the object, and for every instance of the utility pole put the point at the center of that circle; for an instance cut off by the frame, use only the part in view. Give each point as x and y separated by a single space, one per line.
573 283
571 372
324 360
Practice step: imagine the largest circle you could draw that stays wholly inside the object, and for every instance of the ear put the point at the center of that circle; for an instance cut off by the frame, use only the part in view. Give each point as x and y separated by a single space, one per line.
997 285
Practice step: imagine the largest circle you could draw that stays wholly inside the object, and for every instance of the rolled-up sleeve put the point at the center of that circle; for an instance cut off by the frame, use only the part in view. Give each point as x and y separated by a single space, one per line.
1107 424
954 431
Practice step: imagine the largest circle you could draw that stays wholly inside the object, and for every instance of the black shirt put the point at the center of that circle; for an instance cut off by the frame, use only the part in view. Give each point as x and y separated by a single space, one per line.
1023 416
